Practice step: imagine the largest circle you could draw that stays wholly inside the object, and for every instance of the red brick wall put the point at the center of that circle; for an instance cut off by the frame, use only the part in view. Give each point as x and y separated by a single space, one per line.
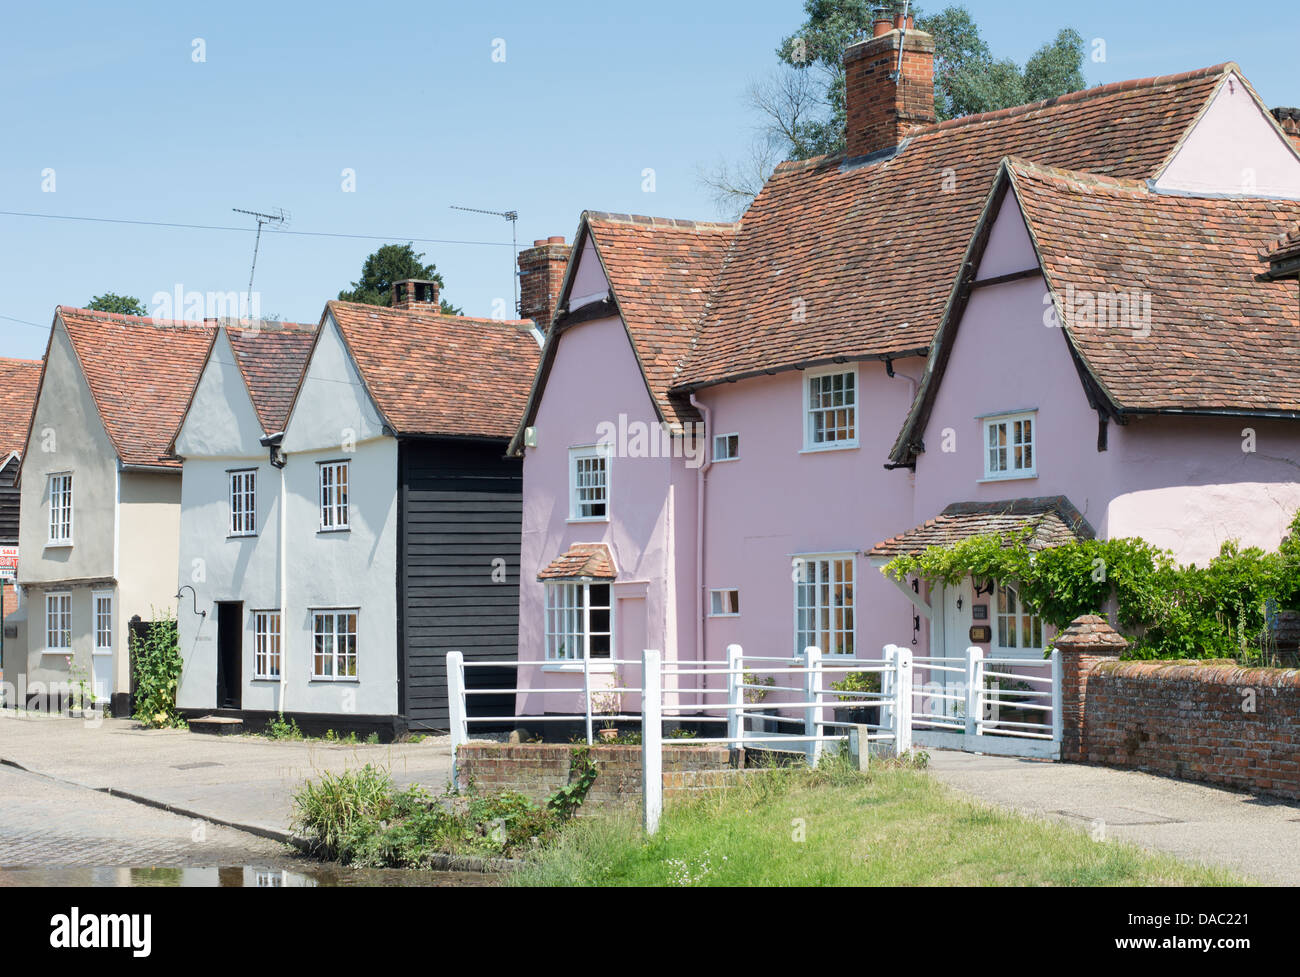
880 112
537 769
541 276
1223 725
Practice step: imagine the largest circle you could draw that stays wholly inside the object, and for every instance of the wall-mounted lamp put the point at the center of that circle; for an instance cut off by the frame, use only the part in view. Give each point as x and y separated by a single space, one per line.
959 602
983 588
195 597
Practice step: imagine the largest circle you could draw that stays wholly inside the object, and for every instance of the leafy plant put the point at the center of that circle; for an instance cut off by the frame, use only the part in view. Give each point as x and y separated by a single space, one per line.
566 800
283 729
158 667
753 696
857 682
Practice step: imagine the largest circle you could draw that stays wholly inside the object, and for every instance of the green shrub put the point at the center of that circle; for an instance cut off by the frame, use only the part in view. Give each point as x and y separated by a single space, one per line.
157 662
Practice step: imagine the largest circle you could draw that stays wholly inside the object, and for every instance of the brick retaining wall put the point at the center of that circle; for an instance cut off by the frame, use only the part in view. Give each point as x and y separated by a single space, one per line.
537 769
1219 724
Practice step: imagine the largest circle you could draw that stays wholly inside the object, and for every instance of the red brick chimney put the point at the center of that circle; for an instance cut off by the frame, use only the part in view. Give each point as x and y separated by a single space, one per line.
541 273
416 295
884 105
1289 120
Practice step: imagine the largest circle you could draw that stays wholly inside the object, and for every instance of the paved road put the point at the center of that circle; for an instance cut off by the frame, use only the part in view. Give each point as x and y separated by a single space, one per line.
45 823
246 781
1258 838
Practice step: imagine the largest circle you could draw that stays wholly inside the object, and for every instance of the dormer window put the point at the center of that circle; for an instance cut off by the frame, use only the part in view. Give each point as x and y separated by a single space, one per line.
1009 445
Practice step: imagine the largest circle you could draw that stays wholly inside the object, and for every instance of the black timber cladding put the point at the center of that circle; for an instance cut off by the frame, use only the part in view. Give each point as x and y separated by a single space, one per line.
9 494
460 508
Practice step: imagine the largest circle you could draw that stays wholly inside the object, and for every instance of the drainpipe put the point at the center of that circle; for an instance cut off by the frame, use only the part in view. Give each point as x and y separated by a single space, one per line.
272 444
700 474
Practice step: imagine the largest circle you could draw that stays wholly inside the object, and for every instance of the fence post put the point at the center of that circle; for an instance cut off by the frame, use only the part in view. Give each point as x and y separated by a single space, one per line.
903 701
887 687
735 696
974 683
652 737
812 658
586 694
456 710
1058 720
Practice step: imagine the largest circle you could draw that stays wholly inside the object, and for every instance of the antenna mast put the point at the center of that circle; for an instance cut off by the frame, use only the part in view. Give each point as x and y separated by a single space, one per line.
279 218
513 217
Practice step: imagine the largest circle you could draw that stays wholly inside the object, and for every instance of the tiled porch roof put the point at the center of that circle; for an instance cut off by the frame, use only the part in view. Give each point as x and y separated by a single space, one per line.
581 560
1053 518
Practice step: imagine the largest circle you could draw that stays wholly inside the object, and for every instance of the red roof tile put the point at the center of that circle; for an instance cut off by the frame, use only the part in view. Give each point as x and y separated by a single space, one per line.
584 560
837 259
1218 338
271 358
660 272
1053 520
441 374
19 380
141 373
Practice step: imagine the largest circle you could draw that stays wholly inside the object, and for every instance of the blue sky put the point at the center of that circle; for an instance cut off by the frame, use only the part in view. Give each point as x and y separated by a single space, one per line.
409 97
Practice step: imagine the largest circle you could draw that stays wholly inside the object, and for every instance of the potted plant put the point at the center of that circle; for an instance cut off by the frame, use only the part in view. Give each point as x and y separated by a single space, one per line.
866 713
608 703
759 720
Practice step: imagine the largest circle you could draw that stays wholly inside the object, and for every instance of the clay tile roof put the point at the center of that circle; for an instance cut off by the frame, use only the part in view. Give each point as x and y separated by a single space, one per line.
141 373
271 358
19 380
586 560
866 252
660 271
1053 519
1218 338
441 374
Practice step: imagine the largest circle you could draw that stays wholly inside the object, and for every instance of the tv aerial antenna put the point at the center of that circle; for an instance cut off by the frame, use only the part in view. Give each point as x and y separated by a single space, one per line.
280 219
513 217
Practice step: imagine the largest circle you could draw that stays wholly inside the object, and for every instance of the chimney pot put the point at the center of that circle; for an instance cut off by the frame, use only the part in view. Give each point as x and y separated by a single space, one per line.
883 25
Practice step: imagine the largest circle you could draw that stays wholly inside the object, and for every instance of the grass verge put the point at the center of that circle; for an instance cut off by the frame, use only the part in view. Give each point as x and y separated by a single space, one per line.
834 826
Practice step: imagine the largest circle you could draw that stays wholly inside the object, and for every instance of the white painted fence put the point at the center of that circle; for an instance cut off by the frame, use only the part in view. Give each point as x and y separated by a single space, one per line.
965 712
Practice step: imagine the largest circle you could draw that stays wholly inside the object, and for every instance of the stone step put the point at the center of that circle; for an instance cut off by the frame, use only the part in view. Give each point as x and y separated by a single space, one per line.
217 725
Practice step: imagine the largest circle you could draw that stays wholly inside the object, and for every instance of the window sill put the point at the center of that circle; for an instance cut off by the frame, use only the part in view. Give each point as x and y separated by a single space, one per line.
324 680
65 652
581 519
1015 477
65 545
102 653
822 448
332 532
601 668
269 678
723 461
241 536
724 615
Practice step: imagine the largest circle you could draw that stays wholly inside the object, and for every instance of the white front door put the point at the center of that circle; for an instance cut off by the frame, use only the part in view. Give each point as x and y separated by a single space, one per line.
957 618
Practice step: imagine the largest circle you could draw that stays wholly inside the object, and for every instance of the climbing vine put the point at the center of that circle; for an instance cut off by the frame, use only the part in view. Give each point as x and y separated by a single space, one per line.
1164 609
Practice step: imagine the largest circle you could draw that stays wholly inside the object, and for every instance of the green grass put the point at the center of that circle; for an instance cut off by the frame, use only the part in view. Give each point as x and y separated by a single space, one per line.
893 826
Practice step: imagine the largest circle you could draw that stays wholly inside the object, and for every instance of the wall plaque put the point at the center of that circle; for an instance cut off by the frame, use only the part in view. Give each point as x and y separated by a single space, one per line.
981 634
980 612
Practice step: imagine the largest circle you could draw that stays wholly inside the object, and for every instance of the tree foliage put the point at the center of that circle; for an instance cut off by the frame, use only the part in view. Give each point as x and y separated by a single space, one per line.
121 304
1164 609
393 263
157 662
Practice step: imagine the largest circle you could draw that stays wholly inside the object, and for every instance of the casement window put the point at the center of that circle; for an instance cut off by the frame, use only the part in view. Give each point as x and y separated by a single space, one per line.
58 622
589 483
1009 446
243 503
724 603
61 509
1017 628
266 644
578 621
824 603
831 410
334 648
726 447
333 496
101 606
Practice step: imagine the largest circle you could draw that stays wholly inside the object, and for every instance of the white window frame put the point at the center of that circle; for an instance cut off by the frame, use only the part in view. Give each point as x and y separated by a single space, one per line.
335 514
65 495
1019 617
813 376
242 497
569 619
729 454
66 631
268 644
337 659
585 453
718 599
814 577
1009 421
96 631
